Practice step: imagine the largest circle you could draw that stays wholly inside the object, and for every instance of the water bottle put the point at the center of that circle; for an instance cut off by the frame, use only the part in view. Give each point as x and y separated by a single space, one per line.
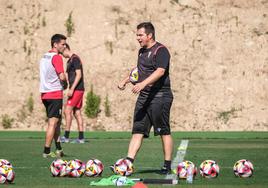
121 181
189 178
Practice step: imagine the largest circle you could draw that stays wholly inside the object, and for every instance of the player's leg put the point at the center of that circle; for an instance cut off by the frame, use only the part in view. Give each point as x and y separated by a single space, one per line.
57 131
52 124
166 136
141 128
80 125
68 112
167 144
53 108
133 148
79 119
59 150
77 102
134 145
160 117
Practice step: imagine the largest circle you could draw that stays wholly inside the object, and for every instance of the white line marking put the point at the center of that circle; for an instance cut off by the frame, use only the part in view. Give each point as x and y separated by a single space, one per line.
179 158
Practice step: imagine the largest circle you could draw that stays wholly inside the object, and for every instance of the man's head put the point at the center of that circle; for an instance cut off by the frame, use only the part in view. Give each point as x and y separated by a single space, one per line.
67 51
58 42
145 34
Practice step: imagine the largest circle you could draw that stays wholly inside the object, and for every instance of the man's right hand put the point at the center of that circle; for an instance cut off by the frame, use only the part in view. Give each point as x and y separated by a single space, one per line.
63 80
121 86
64 84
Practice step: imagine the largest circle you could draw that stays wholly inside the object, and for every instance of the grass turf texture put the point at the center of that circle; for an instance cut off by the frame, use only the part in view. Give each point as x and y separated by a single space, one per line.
24 149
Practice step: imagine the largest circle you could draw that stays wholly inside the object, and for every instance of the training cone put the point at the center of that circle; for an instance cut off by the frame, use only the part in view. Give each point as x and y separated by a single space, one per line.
139 185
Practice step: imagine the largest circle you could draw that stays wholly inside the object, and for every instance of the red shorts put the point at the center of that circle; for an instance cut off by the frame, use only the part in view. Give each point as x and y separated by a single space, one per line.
76 100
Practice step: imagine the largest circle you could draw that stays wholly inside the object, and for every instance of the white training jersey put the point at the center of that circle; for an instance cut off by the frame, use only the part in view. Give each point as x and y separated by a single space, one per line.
49 80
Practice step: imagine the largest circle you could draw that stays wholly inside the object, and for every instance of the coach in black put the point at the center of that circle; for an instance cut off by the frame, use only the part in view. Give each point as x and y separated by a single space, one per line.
155 96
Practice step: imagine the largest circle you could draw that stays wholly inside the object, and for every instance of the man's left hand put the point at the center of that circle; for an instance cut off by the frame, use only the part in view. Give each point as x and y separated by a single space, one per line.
138 87
70 93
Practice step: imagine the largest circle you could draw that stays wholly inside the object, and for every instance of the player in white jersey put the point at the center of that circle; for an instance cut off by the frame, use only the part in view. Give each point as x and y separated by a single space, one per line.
52 83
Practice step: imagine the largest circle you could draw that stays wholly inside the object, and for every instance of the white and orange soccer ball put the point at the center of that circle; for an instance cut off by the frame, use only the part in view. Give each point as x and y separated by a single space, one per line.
243 168
123 167
94 167
209 169
58 168
75 168
184 167
134 75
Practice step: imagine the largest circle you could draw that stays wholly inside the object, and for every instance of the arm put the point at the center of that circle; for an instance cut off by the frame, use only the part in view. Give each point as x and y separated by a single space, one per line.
156 75
63 80
123 83
58 65
78 76
67 79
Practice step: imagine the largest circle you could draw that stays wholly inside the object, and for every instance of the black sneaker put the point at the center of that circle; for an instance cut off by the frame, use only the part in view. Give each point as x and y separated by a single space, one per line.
164 170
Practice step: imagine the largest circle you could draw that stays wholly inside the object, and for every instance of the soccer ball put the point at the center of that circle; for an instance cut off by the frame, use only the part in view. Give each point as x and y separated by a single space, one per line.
94 167
75 168
123 167
5 162
183 167
243 168
134 75
7 174
209 169
58 168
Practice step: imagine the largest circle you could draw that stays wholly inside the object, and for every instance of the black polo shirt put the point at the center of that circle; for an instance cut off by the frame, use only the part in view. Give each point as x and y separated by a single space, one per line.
73 64
148 61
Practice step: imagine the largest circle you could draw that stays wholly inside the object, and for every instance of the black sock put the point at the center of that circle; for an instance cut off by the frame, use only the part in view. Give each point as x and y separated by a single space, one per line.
167 164
81 135
66 134
131 159
46 150
58 146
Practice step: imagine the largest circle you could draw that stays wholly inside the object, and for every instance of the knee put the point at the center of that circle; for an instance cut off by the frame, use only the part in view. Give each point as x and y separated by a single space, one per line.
77 113
52 122
67 112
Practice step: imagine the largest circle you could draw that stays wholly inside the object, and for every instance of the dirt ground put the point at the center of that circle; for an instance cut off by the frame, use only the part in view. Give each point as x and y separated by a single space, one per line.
218 70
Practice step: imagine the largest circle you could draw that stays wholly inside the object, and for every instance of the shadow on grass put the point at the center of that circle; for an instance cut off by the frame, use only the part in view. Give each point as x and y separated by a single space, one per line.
156 171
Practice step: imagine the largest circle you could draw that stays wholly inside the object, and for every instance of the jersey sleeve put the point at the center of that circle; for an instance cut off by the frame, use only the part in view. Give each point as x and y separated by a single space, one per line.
77 63
58 64
162 58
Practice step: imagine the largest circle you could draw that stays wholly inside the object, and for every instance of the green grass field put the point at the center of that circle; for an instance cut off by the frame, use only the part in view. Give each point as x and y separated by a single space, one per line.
24 151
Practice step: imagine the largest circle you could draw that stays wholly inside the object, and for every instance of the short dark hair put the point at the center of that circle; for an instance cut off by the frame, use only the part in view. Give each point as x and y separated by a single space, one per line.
149 28
67 46
57 38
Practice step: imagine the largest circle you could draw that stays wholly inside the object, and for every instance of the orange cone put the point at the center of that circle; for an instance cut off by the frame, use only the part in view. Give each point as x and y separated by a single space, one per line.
139 185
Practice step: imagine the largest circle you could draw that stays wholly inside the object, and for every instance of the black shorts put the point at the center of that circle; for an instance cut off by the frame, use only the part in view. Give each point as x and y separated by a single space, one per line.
152 112
53 107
